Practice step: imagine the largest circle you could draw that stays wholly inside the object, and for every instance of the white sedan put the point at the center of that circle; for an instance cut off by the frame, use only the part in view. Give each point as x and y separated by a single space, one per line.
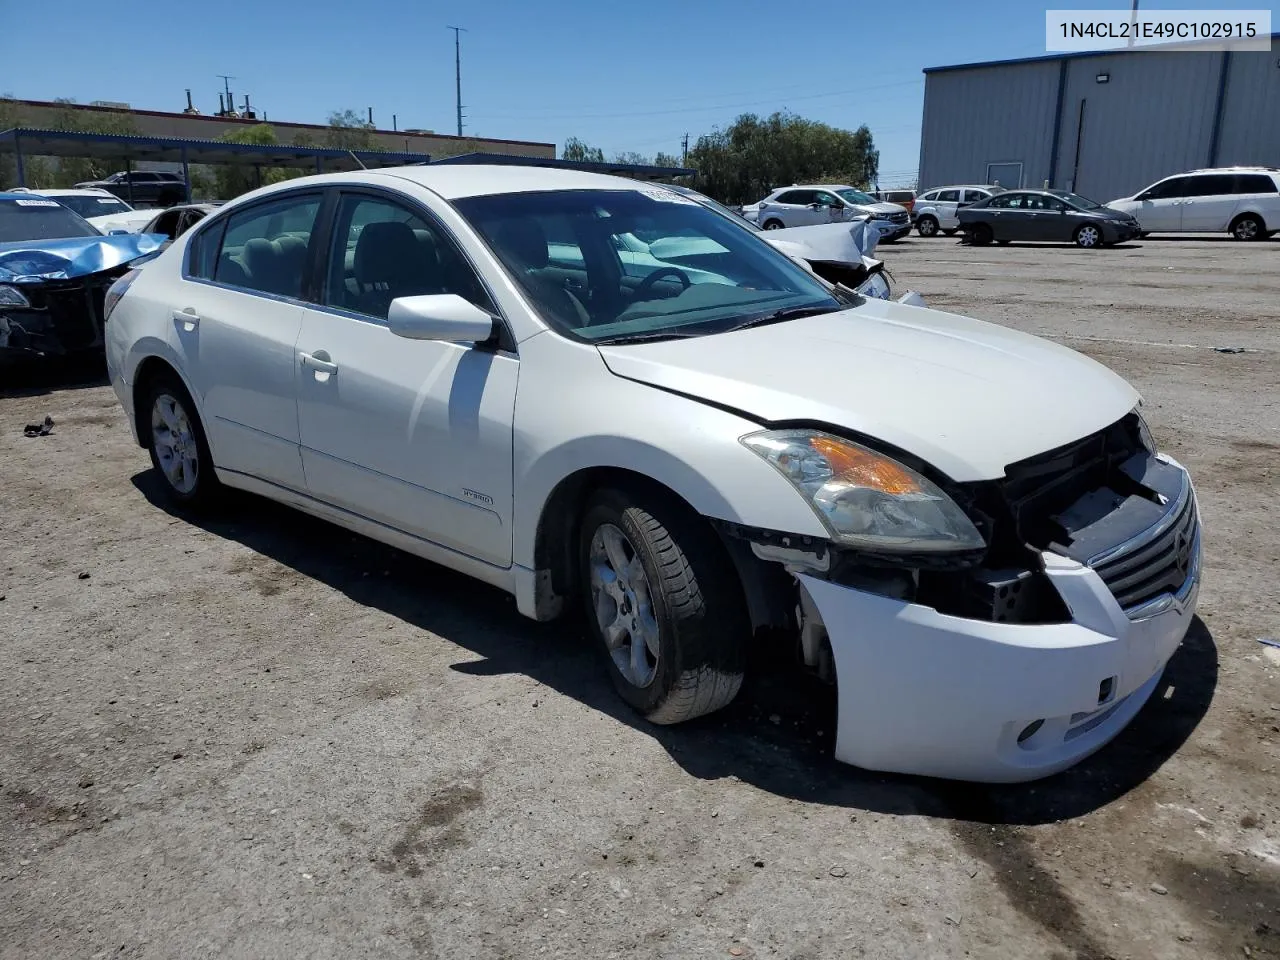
967 529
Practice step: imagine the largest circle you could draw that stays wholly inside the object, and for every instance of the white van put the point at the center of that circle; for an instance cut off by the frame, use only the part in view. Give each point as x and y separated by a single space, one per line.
1242 201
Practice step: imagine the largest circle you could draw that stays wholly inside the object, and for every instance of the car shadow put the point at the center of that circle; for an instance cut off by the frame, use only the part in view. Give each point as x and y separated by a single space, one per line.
775 736
42 375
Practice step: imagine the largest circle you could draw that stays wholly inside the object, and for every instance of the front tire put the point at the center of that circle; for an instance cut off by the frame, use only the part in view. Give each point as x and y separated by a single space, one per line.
664 603
1088 237
176 441
981 234
927 226
773 225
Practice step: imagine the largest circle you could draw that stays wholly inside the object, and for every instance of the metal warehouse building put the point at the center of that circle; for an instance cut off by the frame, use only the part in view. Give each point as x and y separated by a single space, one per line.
1102 124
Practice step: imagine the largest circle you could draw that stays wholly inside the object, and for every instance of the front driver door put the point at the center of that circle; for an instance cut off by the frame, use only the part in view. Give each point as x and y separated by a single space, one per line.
1159 208
414 434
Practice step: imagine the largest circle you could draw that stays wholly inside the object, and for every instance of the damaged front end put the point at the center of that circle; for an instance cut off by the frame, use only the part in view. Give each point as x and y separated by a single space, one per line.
52 292
1009 662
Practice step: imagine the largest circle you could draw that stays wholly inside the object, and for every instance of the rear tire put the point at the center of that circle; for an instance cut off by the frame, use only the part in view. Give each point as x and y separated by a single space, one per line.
177 443
663 601
773 225
927 226
1249 227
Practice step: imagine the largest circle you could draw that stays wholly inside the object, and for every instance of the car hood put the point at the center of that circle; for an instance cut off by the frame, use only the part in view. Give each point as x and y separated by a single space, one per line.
129 220
882 207
37 261
826 242
968 397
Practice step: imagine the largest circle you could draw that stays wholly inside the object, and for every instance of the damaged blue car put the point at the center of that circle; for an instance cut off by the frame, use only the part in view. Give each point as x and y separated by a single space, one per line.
55 268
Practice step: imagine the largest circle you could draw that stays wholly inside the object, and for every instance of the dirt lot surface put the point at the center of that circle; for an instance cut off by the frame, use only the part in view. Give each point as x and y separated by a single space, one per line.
258 736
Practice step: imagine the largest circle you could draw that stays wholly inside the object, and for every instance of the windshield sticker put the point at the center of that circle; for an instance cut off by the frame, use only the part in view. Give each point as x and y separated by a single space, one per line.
666 196
37 203
111 200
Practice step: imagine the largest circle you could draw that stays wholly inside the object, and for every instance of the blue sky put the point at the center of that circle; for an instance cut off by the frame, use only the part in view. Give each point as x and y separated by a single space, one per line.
620 75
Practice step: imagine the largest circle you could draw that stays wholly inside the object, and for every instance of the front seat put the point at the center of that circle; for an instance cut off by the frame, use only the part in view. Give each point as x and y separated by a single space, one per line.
390 262
524 242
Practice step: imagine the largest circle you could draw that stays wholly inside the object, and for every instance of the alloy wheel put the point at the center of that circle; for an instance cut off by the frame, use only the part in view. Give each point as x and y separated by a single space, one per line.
621 599
175 443
1088 237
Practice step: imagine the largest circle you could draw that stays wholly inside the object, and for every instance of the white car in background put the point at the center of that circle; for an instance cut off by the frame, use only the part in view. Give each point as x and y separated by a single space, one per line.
1242 201
803 205
936 210
104 210
967 529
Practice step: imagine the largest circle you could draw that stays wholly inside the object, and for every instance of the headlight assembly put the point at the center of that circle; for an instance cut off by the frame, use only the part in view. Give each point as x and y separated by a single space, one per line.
865 499
12 297
876 287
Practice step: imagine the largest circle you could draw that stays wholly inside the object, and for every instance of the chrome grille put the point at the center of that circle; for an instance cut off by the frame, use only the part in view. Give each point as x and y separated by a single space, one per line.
1159 562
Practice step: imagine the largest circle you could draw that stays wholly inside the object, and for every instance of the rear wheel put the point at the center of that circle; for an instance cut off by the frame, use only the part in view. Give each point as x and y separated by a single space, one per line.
980 233
773 224
1089 237
927 226
1249 227
176 441
663 601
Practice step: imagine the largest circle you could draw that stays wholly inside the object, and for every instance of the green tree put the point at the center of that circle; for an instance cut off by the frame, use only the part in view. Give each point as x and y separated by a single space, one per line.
667 160
231 180
754 155
349 131
575 149
632 157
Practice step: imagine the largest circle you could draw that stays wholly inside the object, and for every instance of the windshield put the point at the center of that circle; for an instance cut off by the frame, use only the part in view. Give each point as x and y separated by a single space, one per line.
93 206
1078 201
36 218
857 196
725 211
648 263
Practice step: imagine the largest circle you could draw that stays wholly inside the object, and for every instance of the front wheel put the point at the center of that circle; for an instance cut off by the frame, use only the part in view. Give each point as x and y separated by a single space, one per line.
927 226
981 234
663 601
773 224
1089 237
178 447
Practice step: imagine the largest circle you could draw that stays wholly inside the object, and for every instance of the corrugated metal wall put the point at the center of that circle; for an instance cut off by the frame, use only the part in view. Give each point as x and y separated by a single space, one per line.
1153 117
1251 121
987 115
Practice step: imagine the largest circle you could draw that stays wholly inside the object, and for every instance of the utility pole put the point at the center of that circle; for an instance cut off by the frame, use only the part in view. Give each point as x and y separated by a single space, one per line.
684 156
457 69
1133 20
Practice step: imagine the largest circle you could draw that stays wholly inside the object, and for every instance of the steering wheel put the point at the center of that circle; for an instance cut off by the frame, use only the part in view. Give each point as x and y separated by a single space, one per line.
645 286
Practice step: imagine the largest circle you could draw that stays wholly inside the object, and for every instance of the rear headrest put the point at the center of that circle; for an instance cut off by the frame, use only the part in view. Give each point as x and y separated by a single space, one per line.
259 255
389 252
524 241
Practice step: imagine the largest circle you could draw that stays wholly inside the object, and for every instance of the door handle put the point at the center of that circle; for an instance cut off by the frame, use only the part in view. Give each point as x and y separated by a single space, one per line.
319 364
187 317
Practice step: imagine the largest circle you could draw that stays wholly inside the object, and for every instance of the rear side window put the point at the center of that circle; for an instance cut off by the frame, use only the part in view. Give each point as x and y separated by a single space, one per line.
949 196
1255 183
932 195
266 246
1211 185
800 198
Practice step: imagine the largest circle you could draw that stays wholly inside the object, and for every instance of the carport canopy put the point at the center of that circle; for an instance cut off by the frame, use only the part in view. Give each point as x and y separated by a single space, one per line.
27 141
633 170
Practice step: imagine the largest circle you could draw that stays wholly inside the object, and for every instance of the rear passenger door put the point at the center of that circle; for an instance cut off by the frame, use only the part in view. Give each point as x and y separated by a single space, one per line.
237 322
947 203
792 208
1209 202
413 434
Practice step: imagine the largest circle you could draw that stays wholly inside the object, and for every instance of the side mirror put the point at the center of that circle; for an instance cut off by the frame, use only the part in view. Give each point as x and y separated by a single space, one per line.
117 233
442 316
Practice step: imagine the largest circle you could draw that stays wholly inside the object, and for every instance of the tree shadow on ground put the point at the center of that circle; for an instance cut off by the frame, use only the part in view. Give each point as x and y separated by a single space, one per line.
776 735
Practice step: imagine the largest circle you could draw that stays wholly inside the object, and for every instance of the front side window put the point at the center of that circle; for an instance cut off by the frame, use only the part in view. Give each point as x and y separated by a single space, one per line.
39 218
826 198
265 247
856 197
1169 189
383 250
698 273
1001 201
166 223
931 196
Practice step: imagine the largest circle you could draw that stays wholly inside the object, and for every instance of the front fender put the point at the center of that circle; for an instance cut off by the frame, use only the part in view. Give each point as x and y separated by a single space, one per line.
573 414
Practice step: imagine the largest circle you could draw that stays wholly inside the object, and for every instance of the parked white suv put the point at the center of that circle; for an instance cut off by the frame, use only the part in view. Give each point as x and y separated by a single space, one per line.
936 209
1243 201
802 205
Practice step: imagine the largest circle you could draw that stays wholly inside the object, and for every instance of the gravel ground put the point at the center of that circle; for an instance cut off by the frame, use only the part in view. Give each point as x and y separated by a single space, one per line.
259 736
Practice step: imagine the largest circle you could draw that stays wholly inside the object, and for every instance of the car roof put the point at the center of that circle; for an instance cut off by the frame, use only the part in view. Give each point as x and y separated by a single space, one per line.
67 192
965 186
1240 169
